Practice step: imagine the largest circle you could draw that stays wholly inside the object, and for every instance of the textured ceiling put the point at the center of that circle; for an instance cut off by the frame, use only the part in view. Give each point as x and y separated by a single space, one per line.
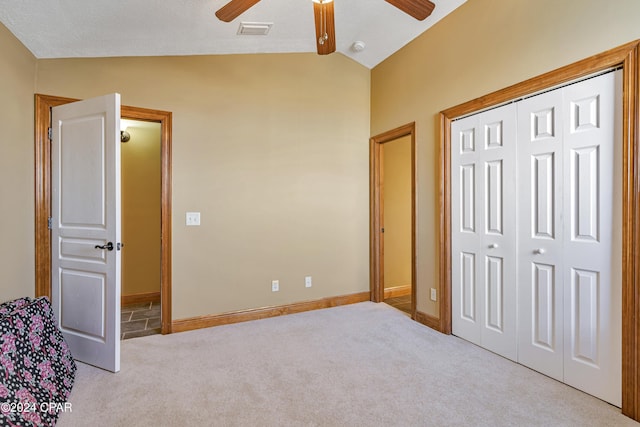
101 28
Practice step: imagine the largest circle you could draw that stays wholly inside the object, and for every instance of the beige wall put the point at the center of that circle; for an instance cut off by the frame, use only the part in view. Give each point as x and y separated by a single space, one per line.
141 202
481 47
396 163
17 82
272 150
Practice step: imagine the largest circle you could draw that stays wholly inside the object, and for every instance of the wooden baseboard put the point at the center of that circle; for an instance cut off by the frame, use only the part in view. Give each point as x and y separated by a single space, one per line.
428 320
192 323
397 291
140 298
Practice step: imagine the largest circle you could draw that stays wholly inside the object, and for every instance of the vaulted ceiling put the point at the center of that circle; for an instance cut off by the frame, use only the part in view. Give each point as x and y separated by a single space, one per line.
98 28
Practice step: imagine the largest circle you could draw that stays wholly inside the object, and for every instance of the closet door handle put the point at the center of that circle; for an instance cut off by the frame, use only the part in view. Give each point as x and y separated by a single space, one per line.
493 246
539 251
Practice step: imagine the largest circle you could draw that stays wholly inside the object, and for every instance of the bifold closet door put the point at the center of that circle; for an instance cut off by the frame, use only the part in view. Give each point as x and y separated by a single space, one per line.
540 250
569 235
483 230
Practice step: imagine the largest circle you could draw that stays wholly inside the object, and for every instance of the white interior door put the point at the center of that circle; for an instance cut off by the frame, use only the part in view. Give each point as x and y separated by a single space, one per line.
570 295
466 238
592 235
540 250
483 230
560 235
85 182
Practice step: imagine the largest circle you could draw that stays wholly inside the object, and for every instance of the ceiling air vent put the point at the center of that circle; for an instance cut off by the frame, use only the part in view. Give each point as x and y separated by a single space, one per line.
254 28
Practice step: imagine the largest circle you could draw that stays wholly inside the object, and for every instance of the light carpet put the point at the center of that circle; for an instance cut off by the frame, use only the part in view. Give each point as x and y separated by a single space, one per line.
365 364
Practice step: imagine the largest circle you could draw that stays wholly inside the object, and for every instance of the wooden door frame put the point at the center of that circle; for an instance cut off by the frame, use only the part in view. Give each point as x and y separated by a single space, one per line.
43 105
626 57
376 245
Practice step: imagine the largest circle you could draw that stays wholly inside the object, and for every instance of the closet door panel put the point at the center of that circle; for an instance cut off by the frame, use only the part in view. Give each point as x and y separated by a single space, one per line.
483 233
494 178
466 236
543 206
540 297
583 188
467 298
585 334
494 281
592 251
543 293
499 297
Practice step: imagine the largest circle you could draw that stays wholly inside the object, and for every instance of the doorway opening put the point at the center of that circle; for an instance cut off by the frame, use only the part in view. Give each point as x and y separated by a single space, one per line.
392 223
43 105
140 162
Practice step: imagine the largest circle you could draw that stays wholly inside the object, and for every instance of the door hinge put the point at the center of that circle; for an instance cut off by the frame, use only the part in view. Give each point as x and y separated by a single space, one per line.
50 223
382 229
50 133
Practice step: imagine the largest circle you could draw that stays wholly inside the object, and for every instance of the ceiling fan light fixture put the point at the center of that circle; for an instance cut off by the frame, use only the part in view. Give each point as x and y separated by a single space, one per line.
321 9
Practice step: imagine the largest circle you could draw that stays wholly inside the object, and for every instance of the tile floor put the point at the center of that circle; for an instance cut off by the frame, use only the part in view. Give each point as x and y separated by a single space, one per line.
402 303
139 320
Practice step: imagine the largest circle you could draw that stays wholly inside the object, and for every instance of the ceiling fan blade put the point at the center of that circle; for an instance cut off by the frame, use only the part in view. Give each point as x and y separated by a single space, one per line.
325 24
419 9
233 9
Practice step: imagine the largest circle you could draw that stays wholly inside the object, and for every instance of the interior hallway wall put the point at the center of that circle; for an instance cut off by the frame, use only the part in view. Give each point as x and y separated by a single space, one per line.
396 163
17 83
141 206
483 46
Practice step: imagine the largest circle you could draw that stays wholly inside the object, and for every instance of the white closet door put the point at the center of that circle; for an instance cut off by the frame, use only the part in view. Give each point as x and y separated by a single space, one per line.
483 230
564 318
592 236
466 238
569 235
540 335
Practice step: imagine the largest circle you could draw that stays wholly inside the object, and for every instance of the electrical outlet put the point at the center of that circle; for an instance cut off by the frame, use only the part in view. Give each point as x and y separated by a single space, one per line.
193 218
275 285
434 294
307 282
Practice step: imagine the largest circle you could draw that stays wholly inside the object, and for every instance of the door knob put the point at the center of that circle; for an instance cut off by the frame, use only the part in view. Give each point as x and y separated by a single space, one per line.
493 246
108 246
539 251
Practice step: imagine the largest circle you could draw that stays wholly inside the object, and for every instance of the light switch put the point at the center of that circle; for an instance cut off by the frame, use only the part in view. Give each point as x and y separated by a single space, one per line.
193 218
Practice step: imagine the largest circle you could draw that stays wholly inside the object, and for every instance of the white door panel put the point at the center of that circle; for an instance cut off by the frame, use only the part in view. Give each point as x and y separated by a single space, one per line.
483 240
499 237
592 237
466 239
543 325
559 234
467 298
85 175
540 297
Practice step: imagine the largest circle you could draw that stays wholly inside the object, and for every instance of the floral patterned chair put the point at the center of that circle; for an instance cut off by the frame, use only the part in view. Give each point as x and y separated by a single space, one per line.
37 370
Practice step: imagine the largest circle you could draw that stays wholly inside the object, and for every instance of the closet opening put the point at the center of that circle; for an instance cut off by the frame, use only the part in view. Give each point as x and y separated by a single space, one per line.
536 233
626 57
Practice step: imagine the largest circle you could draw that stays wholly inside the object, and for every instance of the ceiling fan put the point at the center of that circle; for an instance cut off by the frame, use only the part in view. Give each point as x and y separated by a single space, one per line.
324 19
